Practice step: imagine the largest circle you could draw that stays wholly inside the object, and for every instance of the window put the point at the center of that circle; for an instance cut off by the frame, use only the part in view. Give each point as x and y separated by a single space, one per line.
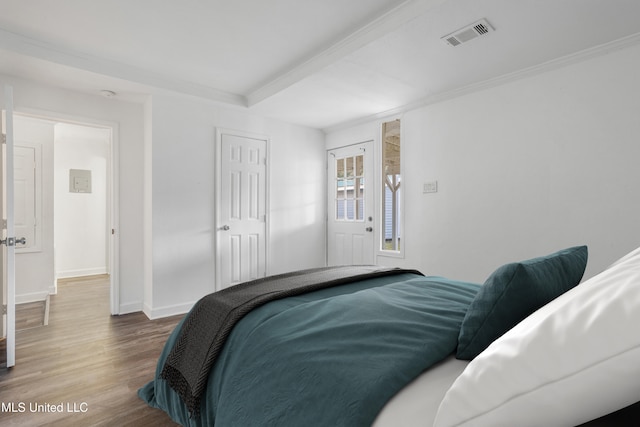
350 188
391 187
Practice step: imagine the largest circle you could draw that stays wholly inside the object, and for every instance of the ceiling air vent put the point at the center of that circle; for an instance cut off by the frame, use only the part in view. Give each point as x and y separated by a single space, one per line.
467 33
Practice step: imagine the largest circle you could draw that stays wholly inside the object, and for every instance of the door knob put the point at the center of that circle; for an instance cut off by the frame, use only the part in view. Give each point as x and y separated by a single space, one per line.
369 229
11 241
224 228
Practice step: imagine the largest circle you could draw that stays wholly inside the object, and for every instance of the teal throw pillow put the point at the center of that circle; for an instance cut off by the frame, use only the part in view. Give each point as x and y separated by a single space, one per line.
513 292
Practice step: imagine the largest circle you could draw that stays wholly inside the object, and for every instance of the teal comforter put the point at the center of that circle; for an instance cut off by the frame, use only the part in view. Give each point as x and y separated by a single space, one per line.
327 358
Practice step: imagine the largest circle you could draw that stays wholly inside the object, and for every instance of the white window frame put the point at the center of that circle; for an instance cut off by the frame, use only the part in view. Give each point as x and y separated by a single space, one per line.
380 196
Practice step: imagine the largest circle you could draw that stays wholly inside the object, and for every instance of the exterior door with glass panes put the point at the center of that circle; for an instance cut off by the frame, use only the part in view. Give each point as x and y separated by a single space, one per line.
350 233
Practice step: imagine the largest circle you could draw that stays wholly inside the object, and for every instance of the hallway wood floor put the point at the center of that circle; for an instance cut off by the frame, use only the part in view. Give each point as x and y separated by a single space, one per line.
85 359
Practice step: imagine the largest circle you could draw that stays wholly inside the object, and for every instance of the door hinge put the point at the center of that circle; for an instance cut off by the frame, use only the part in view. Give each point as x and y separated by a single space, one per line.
4 138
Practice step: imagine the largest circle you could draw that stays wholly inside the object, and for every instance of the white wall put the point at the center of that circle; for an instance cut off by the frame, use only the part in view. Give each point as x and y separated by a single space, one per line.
166 205
182 205
81 220
128 119
523 169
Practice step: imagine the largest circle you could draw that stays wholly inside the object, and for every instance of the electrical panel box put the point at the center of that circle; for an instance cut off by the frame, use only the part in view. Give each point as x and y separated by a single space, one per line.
79 181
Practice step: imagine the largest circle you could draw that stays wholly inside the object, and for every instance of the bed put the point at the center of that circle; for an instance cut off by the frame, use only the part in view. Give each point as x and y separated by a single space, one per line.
366 345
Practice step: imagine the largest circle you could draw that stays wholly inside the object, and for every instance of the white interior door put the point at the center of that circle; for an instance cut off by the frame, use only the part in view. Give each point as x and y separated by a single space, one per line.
8 236
24 203
241 213
350 200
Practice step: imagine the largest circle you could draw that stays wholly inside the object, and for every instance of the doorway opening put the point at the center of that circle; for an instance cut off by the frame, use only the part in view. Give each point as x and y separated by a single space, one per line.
74 205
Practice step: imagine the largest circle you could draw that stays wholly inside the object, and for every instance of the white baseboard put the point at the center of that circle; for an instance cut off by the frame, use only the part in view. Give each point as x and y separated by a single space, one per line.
32 297
81 272
167 311
132 307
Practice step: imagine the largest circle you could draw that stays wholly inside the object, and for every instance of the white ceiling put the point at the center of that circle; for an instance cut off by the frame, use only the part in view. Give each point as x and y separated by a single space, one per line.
319 63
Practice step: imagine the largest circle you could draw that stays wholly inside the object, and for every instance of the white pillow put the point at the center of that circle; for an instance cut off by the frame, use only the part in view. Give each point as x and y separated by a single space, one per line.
573 360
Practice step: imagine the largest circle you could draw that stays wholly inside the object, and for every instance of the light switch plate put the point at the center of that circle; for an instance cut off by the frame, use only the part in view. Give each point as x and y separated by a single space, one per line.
430 187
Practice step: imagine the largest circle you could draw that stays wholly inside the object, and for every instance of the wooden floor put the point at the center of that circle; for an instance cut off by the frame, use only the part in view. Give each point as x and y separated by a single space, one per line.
85 359
32 315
